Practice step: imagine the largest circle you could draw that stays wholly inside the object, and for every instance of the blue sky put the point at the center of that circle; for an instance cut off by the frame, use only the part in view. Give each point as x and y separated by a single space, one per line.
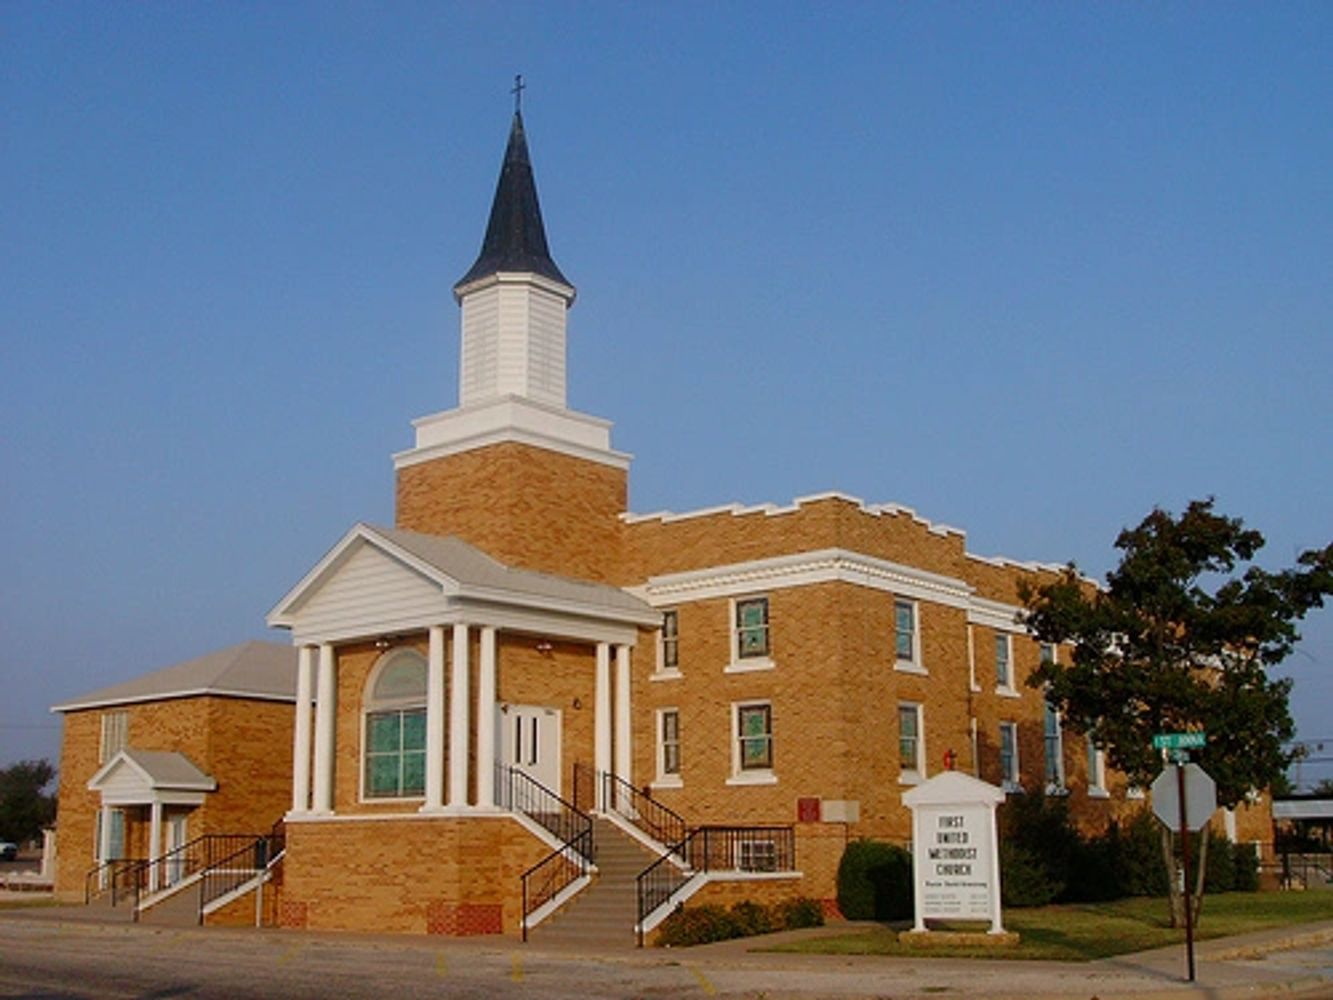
1028 269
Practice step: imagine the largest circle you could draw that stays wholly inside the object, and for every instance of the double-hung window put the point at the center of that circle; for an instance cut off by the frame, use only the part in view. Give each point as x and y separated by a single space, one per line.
115 735
669 658
1055 751
1096 770
395 727
1004 661
752 629
668 746
906 635
754 733
1009 756
911 743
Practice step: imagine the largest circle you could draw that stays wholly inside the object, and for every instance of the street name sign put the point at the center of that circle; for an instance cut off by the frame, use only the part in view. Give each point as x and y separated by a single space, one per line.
1179 741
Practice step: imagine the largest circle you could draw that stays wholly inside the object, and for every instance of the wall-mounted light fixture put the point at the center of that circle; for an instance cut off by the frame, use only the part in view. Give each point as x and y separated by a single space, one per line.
544 646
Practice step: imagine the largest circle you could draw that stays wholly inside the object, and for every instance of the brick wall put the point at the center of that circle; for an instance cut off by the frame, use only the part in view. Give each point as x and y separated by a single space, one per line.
525 506
244 744
437 875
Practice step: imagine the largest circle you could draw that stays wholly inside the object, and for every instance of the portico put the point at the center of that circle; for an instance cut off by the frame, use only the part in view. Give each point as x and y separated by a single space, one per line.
449 601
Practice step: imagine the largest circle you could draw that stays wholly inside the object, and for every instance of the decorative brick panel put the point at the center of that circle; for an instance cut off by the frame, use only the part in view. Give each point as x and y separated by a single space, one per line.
294 914
464 919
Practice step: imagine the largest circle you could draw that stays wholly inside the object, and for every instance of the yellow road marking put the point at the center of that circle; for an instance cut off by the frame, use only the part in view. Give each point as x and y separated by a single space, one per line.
441 964
289 954
516 974
707 987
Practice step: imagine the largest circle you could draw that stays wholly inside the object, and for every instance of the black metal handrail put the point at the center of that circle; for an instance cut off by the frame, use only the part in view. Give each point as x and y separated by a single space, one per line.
571 826
549 876
713 848
237 868
520 792
114 873
663 824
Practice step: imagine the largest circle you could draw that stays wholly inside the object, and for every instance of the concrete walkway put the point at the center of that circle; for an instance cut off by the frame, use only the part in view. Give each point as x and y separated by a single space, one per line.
1287 962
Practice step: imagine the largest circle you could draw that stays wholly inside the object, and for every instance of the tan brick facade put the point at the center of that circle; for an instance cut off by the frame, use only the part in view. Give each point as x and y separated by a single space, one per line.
245 744
414 875
526 506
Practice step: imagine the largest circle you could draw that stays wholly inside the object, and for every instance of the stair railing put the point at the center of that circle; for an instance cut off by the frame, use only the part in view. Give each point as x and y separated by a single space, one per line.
520 792
112 876
713 848
662 824
230 872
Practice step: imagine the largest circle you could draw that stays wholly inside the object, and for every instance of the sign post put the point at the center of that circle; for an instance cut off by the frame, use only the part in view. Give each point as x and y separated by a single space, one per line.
1192 793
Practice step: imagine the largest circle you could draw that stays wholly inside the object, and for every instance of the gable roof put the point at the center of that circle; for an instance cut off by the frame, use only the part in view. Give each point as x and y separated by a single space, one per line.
155 770
262 670
463 570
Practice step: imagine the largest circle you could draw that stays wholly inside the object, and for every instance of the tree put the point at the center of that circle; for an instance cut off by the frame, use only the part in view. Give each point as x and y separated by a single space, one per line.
24 808
1181 638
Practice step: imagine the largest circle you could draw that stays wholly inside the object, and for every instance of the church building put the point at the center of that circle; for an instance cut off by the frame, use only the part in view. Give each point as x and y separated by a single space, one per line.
521 697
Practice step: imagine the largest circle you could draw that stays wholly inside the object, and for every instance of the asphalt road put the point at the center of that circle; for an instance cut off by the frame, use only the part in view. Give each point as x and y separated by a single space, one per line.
42 958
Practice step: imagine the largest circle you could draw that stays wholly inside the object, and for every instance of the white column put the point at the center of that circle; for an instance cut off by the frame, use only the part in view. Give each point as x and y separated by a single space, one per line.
104 844
325 714
601 745
486 722
154 844
435 721
458 722
622 741
305 670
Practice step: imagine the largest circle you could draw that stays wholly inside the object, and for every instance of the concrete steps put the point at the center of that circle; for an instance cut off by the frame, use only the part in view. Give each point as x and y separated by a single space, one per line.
604 913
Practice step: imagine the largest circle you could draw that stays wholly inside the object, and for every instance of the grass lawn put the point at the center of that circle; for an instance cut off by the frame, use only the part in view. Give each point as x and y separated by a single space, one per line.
1086 931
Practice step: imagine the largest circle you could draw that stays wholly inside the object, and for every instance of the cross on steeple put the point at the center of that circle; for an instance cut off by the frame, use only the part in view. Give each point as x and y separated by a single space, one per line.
517 91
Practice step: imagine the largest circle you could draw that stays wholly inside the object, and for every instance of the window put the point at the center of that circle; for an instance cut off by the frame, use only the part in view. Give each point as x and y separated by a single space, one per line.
116 842
910 743
1009 756
670 658
1096 770
756 856
1055 751
752 628
1047 653
115 735
754 728
668 746
905 645
395 731
1004 667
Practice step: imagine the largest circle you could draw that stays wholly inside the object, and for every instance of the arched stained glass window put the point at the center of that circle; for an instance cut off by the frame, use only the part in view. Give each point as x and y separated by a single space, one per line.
395 736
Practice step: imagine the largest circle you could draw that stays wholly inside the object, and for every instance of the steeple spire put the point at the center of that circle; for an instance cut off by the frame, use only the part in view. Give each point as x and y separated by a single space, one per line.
515 237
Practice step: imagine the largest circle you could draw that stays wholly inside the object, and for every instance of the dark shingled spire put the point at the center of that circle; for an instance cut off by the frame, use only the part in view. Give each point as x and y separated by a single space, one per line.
515 237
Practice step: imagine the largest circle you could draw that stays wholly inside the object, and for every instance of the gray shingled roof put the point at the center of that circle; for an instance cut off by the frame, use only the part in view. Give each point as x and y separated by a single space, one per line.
254 669
170 769
474 569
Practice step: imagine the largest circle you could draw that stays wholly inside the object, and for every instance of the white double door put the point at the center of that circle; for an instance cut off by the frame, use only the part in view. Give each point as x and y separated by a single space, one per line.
529 741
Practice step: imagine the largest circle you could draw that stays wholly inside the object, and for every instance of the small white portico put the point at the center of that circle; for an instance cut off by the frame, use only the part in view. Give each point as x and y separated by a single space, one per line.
152 778
380 585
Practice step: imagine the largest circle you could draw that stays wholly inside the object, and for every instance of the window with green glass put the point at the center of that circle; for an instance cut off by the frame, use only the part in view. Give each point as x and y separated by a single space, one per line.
754 723
395 719
396 753
904 630
752 627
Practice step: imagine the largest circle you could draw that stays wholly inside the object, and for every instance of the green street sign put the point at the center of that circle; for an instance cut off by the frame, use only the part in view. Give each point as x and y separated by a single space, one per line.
1179 741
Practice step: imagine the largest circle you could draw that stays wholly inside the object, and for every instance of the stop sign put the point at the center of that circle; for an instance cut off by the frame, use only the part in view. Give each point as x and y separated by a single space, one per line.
1200 797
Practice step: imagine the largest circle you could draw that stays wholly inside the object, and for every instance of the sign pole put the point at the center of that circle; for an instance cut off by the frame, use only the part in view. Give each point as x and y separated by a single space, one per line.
1185 850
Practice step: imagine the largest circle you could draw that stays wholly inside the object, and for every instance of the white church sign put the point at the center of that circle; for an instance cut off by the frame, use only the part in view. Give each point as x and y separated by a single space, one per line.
955 851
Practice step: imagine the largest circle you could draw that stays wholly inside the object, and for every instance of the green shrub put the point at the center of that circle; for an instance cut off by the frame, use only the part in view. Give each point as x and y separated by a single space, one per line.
875 881
792 914
752 918
702 924
697 925
1039 827
1025 879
